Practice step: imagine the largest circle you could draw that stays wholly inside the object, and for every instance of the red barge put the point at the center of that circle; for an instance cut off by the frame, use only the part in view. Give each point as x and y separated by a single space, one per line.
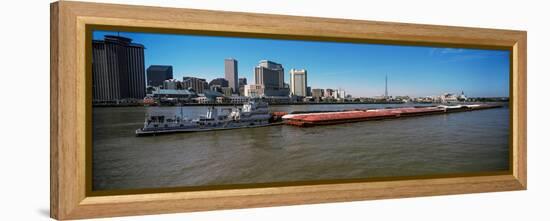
349 116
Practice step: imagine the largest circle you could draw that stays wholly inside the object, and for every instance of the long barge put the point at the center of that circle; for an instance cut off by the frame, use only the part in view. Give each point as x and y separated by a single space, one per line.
350 116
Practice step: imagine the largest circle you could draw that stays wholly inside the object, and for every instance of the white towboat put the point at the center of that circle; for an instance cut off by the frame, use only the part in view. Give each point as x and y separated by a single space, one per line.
252 114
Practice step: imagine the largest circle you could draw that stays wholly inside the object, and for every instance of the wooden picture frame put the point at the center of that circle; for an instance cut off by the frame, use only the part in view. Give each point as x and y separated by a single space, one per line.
70 112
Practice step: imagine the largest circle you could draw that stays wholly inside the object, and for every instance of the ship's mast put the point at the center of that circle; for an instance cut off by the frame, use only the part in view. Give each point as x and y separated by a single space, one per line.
181 111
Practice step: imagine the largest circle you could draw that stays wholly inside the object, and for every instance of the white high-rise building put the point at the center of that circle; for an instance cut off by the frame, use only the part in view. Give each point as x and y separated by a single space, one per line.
298 82
340 94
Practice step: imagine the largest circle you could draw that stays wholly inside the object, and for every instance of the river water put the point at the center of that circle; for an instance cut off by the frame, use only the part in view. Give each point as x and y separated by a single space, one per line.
466 142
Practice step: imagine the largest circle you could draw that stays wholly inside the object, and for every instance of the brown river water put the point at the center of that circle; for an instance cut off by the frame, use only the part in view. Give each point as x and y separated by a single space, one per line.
467 142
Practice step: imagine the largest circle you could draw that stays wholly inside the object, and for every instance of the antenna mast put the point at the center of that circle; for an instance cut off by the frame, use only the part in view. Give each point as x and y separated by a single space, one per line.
181 111
386 91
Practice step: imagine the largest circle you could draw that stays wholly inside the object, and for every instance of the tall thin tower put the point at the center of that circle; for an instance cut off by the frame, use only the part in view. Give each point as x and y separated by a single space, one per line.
232 74
386 91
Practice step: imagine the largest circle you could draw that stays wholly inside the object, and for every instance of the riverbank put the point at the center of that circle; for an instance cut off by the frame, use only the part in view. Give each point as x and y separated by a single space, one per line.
238 104
285 104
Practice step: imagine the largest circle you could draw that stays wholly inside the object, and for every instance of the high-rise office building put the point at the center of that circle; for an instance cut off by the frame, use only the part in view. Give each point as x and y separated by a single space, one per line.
118 69
232 73
298 82
271 76
196 84
156 74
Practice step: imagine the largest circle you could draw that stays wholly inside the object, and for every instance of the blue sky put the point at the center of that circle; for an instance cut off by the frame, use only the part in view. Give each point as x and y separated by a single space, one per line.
357 68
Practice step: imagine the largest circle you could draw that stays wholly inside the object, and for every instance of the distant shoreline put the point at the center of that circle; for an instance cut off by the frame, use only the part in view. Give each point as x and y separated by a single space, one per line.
226 104
282 104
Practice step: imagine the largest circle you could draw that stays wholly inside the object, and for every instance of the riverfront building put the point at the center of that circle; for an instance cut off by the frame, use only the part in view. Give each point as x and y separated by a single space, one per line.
172 84
171 93
242 83
298 82
222 82
340 94
157 74
118 69
227 91
238 99
317 93
219 84
197 84
254 90
232 74
329 93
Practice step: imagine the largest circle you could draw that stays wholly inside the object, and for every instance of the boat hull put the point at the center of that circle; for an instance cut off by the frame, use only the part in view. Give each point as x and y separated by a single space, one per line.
140 132
329 118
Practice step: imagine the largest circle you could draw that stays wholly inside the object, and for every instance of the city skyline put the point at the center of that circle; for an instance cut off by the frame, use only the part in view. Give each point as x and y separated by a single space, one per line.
360 69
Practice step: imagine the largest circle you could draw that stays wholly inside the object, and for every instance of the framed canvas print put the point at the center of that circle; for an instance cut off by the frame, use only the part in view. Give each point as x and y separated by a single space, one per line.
160 110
